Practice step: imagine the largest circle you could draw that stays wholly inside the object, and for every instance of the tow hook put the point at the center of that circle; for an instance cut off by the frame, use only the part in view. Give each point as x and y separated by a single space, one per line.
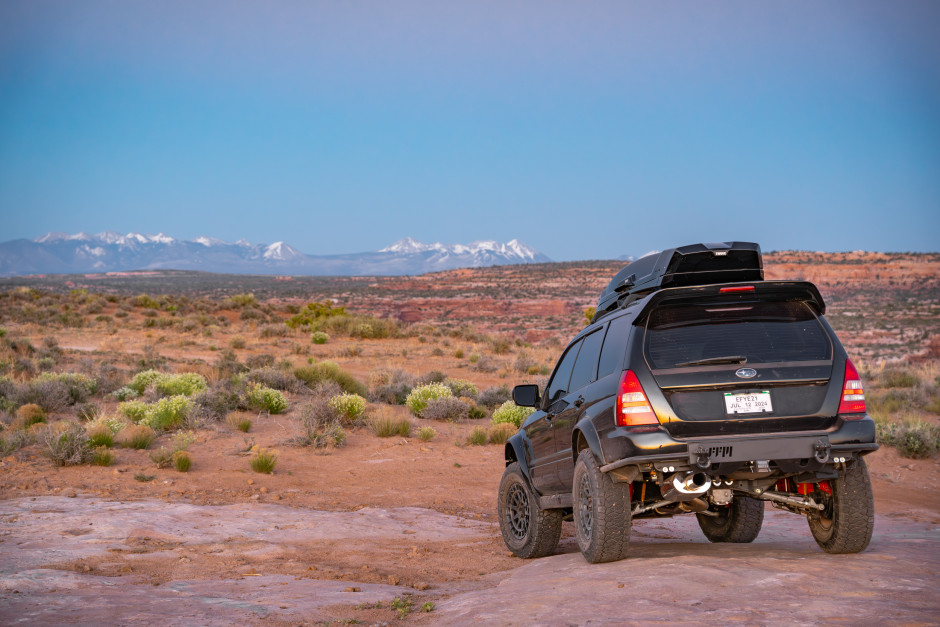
822 450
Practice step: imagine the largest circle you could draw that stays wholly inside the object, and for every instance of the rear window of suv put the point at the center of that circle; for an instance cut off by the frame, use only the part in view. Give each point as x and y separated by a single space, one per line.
752 333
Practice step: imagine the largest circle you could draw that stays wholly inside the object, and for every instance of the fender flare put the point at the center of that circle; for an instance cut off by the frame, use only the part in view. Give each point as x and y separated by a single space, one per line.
585 429
516 451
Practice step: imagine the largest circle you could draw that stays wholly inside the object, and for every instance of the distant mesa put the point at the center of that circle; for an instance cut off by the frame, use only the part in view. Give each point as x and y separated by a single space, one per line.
64 253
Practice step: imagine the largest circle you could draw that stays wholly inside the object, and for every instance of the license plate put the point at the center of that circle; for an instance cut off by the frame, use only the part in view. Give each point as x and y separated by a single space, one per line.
751 403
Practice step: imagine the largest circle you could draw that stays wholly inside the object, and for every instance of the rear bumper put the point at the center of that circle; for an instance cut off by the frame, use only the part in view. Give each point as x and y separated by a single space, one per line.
788 451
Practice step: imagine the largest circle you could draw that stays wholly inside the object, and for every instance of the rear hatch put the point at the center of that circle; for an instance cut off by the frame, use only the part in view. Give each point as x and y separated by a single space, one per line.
740 362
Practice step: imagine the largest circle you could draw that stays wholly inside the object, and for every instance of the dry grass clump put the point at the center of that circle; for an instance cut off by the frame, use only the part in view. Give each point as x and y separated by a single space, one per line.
138 437
102 456
182 461
65 443
239 423
447 409
28 415
498 434
320 426
386 425
264 460
324 371
100 435
477 436
426 434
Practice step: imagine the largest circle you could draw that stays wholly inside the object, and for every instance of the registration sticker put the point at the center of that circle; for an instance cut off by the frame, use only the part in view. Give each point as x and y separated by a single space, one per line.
750 403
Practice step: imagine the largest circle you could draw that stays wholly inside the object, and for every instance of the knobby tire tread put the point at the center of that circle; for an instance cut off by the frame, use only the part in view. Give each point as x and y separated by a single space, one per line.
612 514
853 513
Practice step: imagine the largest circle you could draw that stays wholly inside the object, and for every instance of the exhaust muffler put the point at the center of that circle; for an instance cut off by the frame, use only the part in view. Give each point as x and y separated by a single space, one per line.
691 483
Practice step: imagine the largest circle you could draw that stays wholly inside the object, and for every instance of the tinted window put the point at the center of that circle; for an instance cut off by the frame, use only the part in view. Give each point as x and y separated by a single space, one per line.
558 386
585 368
762 332
614 345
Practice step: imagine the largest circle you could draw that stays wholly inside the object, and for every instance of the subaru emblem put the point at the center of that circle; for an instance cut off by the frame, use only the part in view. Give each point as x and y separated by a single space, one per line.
746 373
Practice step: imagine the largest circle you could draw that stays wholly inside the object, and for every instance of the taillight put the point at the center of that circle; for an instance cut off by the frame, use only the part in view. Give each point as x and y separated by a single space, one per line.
738 288
633 408
853 396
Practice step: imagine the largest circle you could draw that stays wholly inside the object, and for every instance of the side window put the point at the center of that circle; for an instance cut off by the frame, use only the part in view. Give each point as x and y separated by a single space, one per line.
614 346
558 386
585 368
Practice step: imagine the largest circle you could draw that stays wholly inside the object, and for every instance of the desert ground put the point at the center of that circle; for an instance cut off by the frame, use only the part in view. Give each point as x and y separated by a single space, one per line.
401 528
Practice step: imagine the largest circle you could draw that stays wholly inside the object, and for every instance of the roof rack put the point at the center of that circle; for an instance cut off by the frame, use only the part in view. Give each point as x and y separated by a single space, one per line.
695 264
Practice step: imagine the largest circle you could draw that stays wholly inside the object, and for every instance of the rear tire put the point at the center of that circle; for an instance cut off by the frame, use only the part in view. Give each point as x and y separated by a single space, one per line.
602 514
527 530
846 525
738 522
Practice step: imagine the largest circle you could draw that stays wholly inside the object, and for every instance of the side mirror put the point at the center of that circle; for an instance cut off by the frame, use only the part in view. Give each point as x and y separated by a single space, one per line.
526 395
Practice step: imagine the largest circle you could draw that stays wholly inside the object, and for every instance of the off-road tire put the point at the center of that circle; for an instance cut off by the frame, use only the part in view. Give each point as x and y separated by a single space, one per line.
738 522
602 513
846 525
527 530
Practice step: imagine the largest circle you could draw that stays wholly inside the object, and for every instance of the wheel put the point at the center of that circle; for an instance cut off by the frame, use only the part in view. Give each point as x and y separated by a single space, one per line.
527 530
738 522
601 512
845 526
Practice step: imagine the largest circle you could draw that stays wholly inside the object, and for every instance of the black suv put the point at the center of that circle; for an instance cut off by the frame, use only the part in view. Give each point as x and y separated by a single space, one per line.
697 388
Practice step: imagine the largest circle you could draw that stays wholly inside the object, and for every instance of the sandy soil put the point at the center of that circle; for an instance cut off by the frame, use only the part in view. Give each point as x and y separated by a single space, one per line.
338 536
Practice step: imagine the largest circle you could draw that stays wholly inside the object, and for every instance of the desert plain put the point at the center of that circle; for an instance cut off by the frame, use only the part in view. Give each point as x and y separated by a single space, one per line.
374 528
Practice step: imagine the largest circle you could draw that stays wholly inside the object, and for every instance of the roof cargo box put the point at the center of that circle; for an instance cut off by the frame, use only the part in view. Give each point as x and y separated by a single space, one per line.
695 264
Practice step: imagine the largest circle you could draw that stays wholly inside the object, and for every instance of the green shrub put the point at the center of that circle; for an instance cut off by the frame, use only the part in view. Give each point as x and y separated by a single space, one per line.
65 445
80 386
477 436
182 461
184 384
461 387
319 337
329 371
264 460
387 426
167 413
349 407
912 438
314 312
426 434
125 393
511 413
142 380
135 411
265 398
898 378
419 397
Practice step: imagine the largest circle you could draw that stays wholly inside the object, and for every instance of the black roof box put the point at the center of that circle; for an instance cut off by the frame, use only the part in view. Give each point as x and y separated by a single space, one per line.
696 264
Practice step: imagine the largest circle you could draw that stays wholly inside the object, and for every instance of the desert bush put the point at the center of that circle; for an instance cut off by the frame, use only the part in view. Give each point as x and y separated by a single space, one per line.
261 398
349 407
523 362
99 435
274 378
511 413
216 402
434 376
386 426
264 460
51 394
419 397
314 312
461 387
142 380
184 384
28 415
477 436
898 377
500 346
101 456
390 386
485 363
182 461
494 396
136 437
447 408
15 440
238 301
237 342
329 371
240 423
88 412
426 434
134 410
167 413
321 428
66 444
274 330
261 360
125 393
498 434
319 337
913 438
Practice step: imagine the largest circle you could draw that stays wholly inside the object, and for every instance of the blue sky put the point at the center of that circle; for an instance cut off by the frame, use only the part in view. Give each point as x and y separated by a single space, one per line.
587 130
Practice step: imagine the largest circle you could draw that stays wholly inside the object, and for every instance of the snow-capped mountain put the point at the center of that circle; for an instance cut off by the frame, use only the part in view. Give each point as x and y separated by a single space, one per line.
62 253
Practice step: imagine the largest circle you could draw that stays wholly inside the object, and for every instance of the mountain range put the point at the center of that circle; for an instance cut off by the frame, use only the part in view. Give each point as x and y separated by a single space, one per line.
62 253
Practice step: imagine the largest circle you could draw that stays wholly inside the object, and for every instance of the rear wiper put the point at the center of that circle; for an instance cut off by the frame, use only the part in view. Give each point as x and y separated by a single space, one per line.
730 359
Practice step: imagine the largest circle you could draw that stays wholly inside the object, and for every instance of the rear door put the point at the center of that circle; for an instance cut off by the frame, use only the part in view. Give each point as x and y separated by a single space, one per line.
741 367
